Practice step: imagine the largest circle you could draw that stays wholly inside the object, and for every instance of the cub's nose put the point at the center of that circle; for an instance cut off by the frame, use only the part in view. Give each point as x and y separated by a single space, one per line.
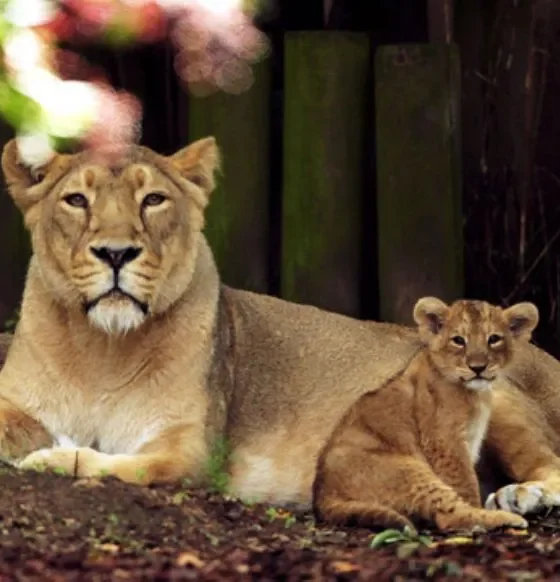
116 257
478 369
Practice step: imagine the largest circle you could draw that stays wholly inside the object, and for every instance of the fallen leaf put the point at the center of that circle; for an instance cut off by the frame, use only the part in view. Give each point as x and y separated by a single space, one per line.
109 548
516 532
188 559
341 567
523 576
242 568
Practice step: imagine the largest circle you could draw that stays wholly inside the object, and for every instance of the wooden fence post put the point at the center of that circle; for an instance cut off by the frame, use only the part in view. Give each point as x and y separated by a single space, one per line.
418 171
237 219
324 136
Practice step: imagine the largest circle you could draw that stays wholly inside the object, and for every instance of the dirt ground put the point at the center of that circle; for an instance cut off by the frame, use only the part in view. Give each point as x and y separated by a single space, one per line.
56 528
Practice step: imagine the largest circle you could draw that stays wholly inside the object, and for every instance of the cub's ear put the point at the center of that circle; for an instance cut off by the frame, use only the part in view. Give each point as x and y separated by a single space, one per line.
198 162
20 178
522 319
429 314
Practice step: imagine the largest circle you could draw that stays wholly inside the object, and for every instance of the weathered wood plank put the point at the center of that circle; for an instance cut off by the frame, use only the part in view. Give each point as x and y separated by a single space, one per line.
418 173
237 222
324 133
440 20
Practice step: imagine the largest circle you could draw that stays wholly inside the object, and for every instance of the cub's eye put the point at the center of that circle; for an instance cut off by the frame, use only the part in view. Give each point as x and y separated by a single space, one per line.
494 339
76 199
459 341
153 199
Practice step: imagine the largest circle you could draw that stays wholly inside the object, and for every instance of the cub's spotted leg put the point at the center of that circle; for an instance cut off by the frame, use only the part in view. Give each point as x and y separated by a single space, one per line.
433 499
458 472
518 437
176 453
389 488
20 434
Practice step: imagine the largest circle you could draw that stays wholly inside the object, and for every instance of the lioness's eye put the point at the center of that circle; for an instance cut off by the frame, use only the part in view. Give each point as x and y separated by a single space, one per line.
153 199
458 340
494 339
76 199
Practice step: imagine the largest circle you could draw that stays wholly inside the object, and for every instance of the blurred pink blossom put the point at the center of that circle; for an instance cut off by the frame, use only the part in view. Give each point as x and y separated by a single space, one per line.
117 126
91 16
215 51
216 44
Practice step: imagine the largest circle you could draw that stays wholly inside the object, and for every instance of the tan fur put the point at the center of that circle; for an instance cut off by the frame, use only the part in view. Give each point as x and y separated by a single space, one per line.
5 341
408 450
206 360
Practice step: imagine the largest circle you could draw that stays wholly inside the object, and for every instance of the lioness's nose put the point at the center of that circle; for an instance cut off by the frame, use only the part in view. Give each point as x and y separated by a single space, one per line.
478 369
116 257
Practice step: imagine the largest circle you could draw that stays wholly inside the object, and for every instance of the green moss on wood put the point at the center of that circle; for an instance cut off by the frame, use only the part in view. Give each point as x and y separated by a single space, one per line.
325 105
237 222
419 182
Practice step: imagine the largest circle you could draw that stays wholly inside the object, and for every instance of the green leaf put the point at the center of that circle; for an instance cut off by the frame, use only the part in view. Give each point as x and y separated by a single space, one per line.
391 536
388 536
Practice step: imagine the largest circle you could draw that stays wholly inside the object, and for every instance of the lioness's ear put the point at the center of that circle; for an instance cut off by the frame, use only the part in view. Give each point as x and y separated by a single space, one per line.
21 177
522 319
198 161
429 314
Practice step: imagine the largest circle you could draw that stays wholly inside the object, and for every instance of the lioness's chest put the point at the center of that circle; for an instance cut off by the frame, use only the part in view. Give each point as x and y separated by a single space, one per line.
109 422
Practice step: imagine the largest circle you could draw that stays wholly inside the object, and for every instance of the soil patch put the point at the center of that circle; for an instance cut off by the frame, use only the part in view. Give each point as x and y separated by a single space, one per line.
56 528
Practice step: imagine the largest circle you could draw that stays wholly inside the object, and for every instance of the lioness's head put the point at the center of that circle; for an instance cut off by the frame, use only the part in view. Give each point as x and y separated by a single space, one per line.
473 341
119 243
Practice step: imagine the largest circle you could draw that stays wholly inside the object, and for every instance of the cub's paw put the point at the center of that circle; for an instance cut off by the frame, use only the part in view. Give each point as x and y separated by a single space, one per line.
496 519
523 498
58 460
479 520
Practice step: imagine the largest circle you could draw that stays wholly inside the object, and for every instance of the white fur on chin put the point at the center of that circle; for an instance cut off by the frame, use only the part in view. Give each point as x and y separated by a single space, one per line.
117 318
478 384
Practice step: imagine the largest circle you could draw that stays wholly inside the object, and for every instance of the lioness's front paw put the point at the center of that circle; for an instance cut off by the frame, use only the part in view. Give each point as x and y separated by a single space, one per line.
523 498
58 460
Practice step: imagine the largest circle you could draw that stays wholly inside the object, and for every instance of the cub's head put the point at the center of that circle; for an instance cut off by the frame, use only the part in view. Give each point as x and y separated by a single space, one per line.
117 243
472 341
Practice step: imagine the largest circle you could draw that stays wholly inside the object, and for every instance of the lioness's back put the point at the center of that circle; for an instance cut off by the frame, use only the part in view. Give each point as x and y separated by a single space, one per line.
306 350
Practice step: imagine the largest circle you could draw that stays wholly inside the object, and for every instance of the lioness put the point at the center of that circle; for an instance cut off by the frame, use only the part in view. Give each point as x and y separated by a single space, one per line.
408 449
132 359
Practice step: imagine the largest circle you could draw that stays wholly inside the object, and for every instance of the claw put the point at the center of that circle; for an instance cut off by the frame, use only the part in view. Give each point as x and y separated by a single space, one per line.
523 498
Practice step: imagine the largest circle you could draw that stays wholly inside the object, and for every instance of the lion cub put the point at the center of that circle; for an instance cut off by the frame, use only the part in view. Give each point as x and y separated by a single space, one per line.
408 450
